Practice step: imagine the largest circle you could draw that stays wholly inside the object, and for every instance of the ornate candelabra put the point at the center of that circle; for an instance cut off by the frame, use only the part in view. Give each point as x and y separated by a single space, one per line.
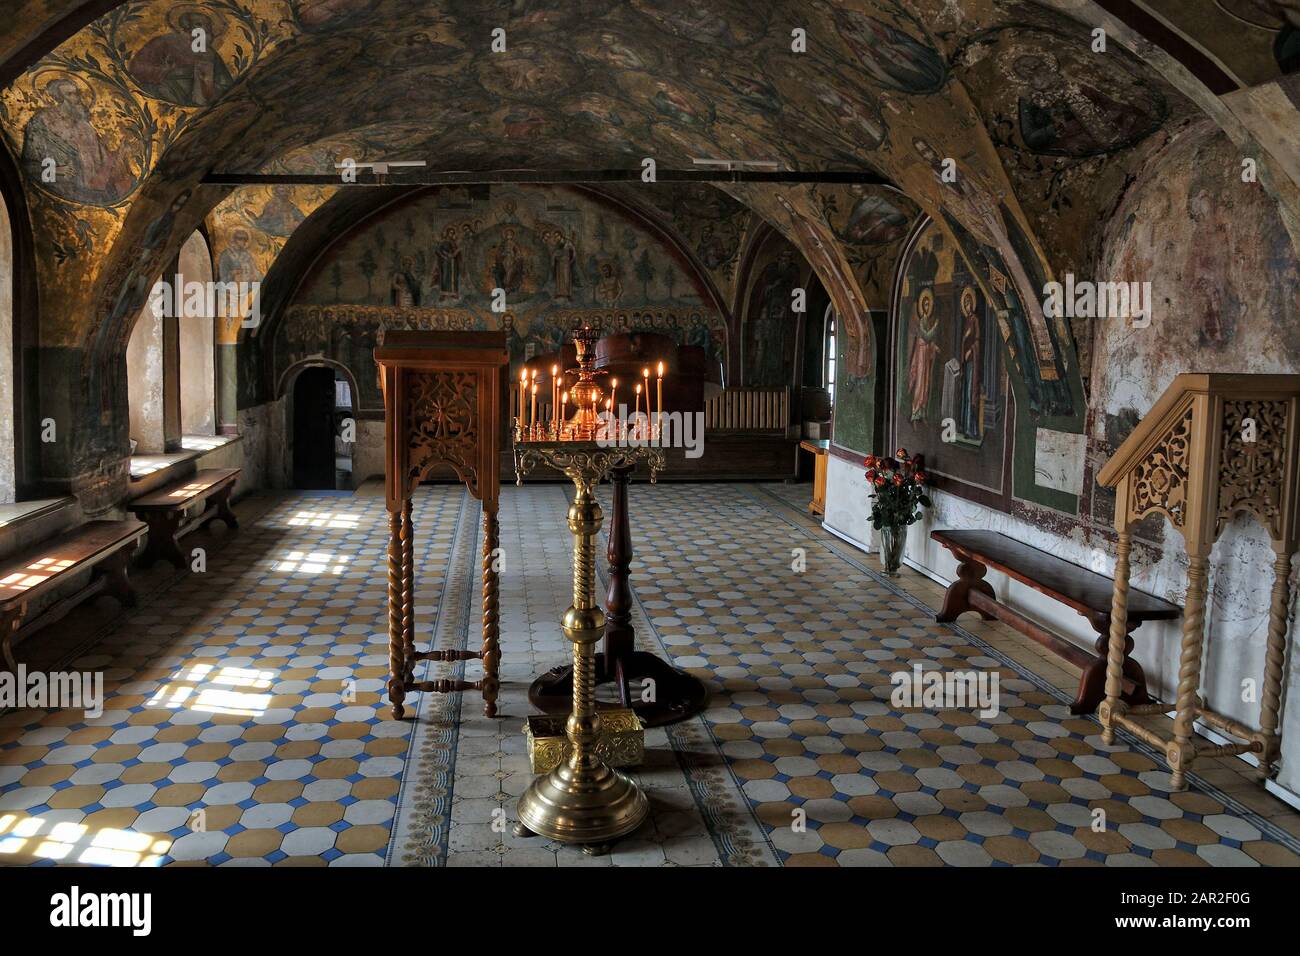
582 800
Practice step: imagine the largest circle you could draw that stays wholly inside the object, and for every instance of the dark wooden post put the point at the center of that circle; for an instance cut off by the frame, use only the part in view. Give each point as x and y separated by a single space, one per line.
618 600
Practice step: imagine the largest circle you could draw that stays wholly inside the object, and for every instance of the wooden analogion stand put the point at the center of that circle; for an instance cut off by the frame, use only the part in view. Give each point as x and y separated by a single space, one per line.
1211 447
443 407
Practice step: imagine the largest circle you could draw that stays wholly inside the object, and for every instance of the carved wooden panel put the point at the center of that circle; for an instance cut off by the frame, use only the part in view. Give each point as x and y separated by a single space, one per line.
442 420
1251 472
1160 479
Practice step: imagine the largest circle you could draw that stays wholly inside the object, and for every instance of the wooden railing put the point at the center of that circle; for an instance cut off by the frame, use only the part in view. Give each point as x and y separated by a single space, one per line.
748 409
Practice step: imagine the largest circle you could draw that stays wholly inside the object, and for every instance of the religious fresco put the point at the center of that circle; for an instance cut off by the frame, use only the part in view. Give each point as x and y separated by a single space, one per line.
711 223
1048 93
554 251
348 333
250 228
319 80
950 396
771 324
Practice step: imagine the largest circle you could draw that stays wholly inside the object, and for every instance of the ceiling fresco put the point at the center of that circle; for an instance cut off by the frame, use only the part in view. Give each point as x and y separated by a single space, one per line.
582 85
131 117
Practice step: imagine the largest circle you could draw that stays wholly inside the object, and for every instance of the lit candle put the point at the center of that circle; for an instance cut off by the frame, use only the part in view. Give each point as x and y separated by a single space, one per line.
659 402
532 414
564 408
638 400
555 393
523 387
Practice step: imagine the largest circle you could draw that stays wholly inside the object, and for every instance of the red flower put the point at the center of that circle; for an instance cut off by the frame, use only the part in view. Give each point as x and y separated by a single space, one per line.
880 482
901 454
898 479
921 477
871 461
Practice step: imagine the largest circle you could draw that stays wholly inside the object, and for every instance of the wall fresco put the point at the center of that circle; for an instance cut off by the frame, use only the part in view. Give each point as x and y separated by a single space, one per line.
950 396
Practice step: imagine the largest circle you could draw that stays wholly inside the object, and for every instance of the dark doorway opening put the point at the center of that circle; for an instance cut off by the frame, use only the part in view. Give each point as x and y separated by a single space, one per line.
313 429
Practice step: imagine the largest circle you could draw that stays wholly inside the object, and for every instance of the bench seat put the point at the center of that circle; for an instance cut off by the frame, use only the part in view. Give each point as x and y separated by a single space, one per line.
165 511
104 546
1084 591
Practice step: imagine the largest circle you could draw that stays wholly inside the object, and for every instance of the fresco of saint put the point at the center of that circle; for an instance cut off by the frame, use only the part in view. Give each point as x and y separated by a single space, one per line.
564 260
925 349
86 169
773 322
968 356
509 264
169 67
450 265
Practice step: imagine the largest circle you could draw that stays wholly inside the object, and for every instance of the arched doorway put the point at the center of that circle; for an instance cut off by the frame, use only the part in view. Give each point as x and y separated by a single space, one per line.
314 398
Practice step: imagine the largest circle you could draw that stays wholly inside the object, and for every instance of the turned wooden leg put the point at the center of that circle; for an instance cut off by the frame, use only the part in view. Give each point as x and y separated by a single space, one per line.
1116 648
114 569
1180 750
162 543
11 618
970 577
1274 661
396 645
491 609
408 591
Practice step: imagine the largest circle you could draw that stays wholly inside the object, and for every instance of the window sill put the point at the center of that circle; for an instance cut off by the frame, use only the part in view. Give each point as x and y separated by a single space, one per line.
24 511
192 447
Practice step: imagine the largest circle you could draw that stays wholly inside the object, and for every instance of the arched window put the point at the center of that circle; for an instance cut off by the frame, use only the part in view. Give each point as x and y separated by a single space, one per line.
8 410
171 373
197 345
829 352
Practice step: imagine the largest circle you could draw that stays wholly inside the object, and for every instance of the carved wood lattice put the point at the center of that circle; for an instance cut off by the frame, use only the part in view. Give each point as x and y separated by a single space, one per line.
443 424
1160 479
1251 472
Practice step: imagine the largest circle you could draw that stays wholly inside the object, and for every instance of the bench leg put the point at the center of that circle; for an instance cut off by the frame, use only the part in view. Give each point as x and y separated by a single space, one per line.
10 620
162 543
1092 683
970 577
219 506
114 569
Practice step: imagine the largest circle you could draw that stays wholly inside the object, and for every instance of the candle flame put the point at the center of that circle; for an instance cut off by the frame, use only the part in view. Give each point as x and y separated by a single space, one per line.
523 375
638 388
555 369
646 371
661 369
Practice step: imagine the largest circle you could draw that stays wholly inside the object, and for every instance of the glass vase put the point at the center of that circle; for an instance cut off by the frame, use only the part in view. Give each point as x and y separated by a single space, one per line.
892 539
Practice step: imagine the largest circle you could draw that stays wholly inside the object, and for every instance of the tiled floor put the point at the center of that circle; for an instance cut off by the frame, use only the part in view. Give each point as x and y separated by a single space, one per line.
245 723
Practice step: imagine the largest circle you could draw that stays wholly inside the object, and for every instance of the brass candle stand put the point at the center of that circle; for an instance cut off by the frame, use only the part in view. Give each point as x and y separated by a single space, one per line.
582 800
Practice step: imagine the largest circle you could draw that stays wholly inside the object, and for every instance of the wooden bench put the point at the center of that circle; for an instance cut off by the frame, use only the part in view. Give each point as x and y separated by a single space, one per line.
104 546
165 512
1075 587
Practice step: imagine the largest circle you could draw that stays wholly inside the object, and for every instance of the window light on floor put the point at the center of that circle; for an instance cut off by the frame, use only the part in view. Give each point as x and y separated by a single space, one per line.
324 519
312 562
209 689
68 842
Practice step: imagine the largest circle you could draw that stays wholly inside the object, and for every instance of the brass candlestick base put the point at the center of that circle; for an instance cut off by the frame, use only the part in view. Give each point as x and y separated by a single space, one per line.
582 800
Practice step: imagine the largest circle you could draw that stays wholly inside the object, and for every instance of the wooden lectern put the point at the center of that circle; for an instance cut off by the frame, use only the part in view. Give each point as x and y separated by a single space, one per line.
443 395
1212 446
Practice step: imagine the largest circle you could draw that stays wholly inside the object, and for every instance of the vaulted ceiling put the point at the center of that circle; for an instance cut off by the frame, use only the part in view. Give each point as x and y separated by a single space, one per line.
1037 128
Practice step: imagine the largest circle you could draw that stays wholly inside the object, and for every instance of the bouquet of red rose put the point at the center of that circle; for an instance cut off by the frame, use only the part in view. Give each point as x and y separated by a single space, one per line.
897 490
